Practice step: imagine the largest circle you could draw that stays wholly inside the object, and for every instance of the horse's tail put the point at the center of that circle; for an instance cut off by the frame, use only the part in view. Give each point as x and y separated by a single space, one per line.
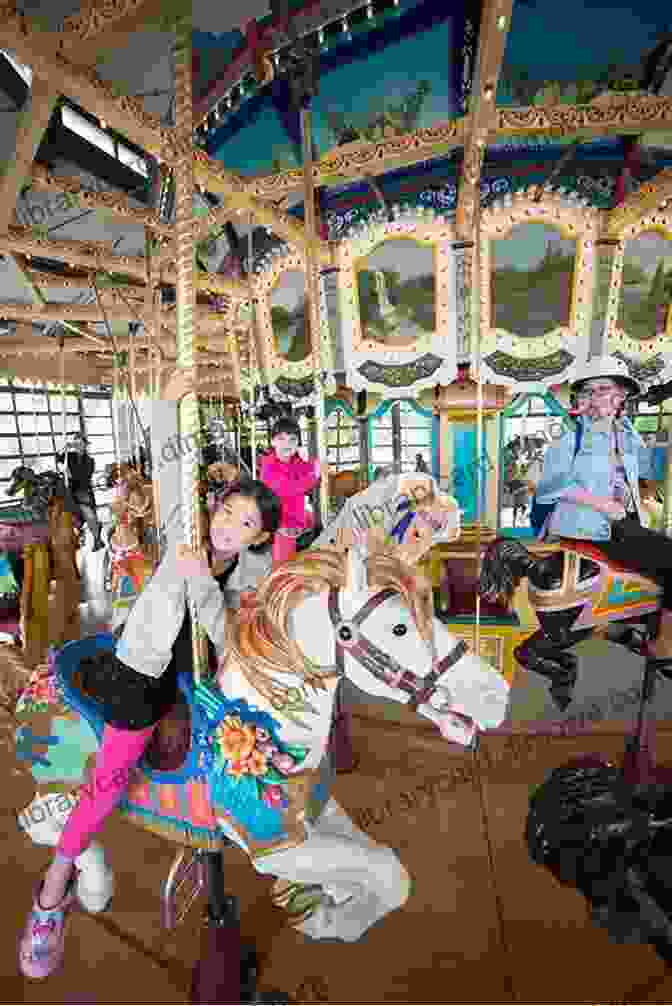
505 564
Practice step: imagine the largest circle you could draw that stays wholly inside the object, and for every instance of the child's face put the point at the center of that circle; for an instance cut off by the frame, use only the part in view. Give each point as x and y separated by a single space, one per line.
285 445
600 398
237 525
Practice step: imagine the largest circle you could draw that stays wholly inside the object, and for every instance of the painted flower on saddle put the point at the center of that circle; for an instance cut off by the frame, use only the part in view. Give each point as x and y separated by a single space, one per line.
236 741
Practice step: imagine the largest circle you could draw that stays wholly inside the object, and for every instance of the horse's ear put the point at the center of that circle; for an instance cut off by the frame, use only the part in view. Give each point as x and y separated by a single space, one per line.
356 581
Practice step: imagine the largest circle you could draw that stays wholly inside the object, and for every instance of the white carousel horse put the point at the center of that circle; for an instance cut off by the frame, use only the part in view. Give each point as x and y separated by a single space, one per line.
258 773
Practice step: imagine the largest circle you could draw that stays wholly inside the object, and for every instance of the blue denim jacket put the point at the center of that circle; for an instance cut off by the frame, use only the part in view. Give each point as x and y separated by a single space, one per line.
591 471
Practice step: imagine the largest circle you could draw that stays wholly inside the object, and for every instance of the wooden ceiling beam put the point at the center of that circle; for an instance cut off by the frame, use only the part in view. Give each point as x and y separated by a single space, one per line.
33 121
35 47
52 312
113 204
98 257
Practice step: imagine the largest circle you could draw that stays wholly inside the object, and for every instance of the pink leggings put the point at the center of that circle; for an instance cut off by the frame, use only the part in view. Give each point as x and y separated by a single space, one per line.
284 548
120 751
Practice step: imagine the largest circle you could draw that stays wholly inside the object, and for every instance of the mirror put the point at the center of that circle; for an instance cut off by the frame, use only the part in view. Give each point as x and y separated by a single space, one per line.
290 317
646 286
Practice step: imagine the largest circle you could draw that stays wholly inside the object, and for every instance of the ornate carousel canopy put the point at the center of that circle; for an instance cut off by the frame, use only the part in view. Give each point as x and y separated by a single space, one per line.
478 198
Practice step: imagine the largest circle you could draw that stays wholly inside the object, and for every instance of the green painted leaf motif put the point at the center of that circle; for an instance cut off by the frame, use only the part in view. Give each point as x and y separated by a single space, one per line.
298 753
273 776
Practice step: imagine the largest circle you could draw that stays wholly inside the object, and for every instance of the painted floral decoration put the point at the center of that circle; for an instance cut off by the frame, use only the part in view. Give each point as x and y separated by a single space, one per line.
248 765
41 692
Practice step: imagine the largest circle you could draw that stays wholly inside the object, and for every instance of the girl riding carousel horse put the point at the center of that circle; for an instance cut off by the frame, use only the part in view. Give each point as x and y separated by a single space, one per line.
137 686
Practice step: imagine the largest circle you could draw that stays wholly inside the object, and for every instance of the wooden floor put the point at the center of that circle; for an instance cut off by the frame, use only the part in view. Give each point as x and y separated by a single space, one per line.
482 925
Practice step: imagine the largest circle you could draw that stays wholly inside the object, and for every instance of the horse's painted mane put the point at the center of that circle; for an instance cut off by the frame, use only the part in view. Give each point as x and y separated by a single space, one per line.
261 643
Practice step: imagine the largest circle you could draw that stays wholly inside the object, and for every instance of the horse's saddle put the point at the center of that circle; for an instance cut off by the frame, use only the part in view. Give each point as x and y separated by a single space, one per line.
169 749
592 554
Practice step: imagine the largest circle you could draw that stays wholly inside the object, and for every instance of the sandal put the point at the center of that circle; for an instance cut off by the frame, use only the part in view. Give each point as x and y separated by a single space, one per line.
42 945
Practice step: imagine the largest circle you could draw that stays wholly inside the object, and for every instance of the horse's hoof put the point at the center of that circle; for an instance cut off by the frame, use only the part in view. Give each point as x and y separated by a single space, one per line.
562 697
567 661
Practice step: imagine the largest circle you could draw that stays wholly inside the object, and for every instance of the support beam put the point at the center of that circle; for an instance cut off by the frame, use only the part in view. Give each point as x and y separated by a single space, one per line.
97 256
650 197
113 204
33 121
495 22
354 160
35 47
90 313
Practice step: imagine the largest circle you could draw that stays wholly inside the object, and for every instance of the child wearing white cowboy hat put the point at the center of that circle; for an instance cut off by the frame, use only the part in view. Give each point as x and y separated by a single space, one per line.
595 488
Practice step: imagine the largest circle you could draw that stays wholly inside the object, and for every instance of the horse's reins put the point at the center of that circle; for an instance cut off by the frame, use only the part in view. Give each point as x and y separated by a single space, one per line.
350 639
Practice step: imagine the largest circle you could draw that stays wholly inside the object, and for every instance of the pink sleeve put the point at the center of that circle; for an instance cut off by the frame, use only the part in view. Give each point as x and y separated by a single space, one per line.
309 478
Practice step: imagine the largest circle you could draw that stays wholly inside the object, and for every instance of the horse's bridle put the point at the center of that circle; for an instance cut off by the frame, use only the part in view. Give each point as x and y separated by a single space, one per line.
349 639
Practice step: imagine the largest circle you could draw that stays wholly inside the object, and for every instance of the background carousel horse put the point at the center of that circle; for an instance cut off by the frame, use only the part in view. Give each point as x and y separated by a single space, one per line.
132 551
48 617
258 773
574 592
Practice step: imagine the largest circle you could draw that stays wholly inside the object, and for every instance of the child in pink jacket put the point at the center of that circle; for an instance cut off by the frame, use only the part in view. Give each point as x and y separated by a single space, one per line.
290 478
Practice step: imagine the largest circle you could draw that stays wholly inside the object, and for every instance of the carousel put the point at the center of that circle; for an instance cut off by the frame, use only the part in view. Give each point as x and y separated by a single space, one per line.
415 289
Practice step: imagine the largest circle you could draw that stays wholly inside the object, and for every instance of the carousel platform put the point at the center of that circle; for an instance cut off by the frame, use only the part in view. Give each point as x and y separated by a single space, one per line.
482 924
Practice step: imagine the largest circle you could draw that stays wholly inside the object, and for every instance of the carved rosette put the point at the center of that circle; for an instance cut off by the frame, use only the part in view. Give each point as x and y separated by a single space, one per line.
291 381
374 365
512 359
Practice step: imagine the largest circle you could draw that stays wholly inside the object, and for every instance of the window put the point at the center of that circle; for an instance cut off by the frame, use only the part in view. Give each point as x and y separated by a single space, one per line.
97 136
35 422
342 441
23 71
134 161
528 425
78 124
398 436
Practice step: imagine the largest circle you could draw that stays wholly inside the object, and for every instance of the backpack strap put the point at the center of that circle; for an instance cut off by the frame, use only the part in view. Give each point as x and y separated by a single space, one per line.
578 436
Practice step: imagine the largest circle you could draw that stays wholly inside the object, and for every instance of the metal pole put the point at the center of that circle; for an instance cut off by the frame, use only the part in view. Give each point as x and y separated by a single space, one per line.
313 291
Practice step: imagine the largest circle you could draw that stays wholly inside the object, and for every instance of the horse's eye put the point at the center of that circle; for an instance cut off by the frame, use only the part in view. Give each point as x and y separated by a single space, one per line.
400 629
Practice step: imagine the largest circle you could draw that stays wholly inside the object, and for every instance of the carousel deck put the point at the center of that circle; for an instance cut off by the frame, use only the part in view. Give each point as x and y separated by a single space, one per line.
482 924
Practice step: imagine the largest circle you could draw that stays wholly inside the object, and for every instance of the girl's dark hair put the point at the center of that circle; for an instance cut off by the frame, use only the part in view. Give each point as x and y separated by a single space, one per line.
288 426
268 505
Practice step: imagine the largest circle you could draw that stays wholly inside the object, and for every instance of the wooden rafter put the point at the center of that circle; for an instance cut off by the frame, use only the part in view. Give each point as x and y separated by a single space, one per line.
98 256
354 160
33 121
495 22
91 313
35 47
113 204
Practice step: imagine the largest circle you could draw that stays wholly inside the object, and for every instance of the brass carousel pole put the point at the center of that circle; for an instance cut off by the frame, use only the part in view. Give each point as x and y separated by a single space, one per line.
192 515
314 298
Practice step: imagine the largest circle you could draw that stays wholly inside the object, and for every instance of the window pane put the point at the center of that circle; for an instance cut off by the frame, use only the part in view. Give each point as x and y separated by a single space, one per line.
96 406
7 467
98 425
82 127
31 402
10 446
34 424
6 403
98 445
132 160
382 436
382 455
71 403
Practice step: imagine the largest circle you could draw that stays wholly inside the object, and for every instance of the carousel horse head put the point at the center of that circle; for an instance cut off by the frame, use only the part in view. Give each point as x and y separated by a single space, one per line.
337 613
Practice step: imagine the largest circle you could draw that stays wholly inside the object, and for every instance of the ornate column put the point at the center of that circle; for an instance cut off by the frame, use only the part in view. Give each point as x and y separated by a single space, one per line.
604 302
463 252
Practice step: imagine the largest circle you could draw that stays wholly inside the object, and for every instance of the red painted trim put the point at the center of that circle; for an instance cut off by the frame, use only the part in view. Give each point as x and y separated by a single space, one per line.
232 73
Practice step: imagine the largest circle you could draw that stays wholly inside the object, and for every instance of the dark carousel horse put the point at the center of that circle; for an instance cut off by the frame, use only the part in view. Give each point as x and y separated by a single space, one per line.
574 592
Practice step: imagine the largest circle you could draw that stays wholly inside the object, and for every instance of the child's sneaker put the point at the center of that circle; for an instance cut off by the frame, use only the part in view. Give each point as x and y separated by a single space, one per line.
42 944
95 888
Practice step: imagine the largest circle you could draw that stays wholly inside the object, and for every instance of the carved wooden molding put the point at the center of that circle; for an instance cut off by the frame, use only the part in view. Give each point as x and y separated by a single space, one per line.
114 204
651 199
622 114
551 358
35 47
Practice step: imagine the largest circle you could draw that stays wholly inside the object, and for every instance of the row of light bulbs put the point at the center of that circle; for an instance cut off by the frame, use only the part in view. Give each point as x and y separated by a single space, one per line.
248 84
